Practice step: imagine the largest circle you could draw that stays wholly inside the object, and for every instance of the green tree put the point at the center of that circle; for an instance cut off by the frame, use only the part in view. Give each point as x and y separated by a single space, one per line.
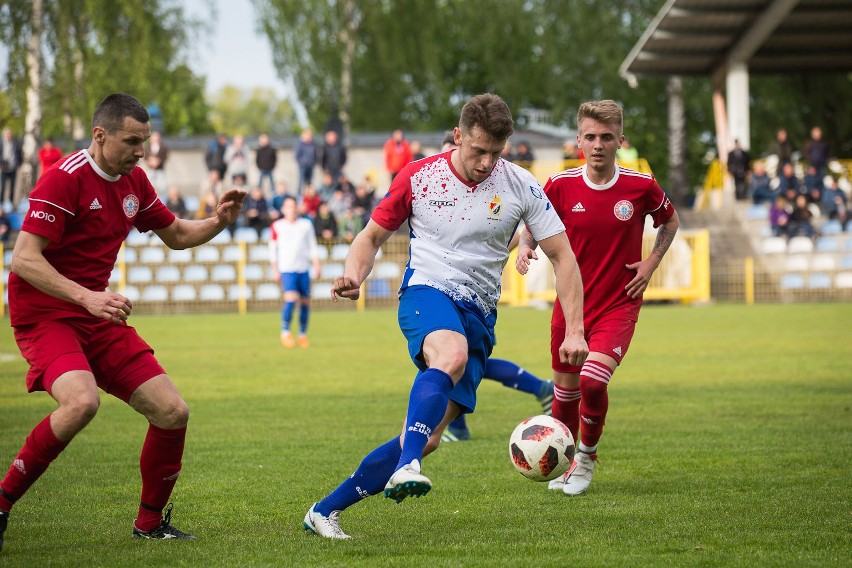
243 112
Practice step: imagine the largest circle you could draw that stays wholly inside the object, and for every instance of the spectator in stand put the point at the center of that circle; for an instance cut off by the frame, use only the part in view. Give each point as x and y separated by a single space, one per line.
215 160
237 159
397 153
277 201
362 203
761 192
333 154
339 203
788 180
349 225
156 154
310 201
11 158
325 224
5 228
48 155
834 204
779 216
813 184
739 167
801 219
265 159
508 153
417 150
326 186
524 156
570 151
176 204
817 151
208 204
627 155
345 185
306 154
256 210
783 149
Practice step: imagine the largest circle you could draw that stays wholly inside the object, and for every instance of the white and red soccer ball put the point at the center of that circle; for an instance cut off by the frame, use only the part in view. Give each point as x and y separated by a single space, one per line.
541 448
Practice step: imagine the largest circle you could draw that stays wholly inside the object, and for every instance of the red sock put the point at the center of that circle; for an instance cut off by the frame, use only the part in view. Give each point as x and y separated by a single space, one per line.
566 407
160 464
40 448
594 402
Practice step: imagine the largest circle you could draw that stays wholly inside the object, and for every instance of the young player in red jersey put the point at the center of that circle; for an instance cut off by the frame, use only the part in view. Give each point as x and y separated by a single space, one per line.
73 331
603 207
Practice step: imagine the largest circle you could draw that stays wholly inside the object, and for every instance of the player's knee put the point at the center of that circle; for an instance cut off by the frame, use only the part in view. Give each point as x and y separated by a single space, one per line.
82 407
452 361
174 414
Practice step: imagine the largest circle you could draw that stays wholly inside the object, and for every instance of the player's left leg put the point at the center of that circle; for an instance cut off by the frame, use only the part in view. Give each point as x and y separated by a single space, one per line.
304 285
514 376
160 462
291 296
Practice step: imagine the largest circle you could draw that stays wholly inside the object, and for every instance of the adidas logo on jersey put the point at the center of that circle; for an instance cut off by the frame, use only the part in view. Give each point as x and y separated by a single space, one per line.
95 204
578 208
617 350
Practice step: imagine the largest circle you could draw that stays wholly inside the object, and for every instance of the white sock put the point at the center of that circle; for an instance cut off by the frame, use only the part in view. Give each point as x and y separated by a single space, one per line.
587 449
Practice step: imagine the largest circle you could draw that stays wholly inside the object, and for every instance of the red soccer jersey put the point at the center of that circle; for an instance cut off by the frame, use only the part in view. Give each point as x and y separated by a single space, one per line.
85 214
604 224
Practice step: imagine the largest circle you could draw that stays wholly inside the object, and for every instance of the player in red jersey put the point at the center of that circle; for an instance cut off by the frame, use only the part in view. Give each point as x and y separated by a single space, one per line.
73 331
603 207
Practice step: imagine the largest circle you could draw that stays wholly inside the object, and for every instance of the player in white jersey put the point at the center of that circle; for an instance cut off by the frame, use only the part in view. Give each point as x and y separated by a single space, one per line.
463 207
292 252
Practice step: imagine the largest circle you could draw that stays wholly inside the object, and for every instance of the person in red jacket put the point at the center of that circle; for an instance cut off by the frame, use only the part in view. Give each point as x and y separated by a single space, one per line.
397 153
48 155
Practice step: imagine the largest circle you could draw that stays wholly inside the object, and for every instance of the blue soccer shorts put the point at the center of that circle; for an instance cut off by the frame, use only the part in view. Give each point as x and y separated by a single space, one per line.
423 309
296 282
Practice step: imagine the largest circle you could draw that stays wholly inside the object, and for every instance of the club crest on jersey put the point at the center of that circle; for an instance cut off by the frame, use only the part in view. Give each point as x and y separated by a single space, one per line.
130 206
623 210
536 192
495 206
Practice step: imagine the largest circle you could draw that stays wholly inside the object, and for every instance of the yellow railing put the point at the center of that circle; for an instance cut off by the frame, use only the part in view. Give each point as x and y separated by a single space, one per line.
684 274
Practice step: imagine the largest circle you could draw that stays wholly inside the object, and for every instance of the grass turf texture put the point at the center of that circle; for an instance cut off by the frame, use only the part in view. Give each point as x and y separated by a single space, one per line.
727 444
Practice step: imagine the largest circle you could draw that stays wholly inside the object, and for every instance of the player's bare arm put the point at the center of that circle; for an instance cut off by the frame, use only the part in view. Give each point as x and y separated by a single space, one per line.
569 290
359 261
645 268
29 263
188 233
526 251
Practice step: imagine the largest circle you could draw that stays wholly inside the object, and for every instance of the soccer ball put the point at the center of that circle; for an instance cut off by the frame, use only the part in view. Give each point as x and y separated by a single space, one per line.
541 448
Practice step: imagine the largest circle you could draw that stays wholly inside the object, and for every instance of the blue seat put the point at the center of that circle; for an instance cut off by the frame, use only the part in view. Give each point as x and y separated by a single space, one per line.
846 262
759 211
792 281
16 221
831 227
827 244
379 288
819 280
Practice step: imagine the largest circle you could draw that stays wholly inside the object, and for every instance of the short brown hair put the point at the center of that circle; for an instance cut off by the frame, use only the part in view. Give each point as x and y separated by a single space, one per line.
606 111
112 111
489 112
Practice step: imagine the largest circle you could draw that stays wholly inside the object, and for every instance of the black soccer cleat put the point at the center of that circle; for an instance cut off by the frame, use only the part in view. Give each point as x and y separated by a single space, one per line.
4 520
165 530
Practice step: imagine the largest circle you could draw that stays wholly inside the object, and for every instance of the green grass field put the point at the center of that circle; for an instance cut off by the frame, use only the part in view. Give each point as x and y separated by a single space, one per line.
728 443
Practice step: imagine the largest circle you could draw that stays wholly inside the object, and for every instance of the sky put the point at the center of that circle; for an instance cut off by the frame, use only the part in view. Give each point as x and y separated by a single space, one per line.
234 53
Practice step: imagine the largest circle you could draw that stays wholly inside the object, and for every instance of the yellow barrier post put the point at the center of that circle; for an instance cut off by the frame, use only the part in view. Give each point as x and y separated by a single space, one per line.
242 303
122 269
749 281
2 284
361 302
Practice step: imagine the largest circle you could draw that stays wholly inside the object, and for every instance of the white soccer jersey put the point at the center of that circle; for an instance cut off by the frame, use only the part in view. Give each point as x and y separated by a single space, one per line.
460 231
292 245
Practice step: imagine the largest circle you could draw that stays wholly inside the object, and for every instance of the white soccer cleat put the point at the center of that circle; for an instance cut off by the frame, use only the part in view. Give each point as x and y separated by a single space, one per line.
579 475
407 481
326 527
558 483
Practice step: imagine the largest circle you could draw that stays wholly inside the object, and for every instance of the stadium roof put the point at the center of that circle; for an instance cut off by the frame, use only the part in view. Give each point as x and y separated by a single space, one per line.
701 37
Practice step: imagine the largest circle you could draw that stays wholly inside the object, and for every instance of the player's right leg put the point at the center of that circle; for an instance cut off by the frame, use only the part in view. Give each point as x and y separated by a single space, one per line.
77 395
291 296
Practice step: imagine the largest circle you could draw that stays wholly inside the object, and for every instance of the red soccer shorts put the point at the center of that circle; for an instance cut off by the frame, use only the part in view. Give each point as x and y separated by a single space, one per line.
114 353
610 334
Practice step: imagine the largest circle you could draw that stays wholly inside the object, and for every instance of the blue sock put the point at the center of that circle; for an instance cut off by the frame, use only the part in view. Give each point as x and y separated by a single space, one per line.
370 478
459 423
287 315
426 408
512 376
304 312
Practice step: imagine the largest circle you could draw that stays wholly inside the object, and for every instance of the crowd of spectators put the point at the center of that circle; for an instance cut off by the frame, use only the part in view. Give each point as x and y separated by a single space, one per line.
803 189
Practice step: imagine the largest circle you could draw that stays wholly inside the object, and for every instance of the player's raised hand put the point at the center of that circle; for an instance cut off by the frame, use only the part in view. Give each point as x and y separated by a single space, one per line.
109 306
525 256
345 287
230 205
